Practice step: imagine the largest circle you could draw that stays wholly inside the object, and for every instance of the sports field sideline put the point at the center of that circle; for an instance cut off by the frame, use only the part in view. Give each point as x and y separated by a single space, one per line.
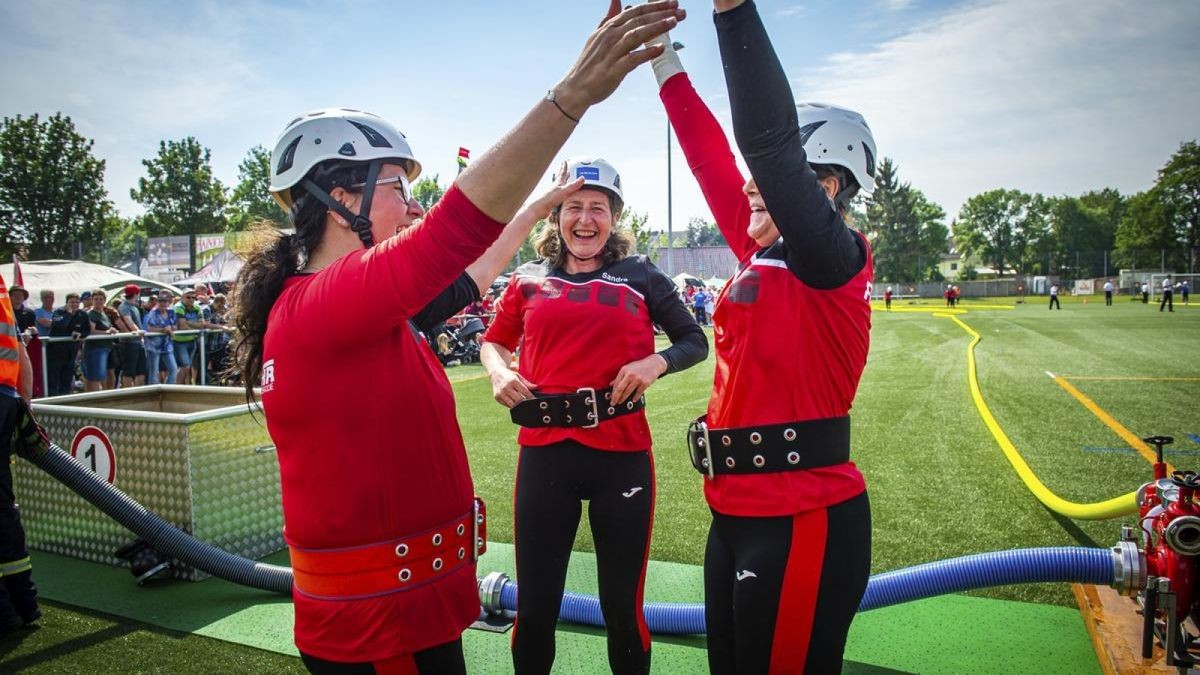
940 486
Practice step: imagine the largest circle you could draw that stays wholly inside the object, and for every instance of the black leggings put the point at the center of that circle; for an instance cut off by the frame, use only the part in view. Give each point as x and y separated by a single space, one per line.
444 658
780 593
552 482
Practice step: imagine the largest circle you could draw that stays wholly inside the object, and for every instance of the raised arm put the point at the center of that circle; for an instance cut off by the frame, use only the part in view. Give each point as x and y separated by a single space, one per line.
500 180
822 251
706 148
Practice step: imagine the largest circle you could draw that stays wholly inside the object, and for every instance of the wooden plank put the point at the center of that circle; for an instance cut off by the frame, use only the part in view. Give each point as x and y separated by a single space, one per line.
1115 624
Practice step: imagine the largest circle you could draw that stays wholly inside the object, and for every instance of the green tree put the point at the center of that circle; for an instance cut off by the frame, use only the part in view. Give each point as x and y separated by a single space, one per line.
427 191
251 200
1145 231
700 232
179 191
636 224
1179 189
52 194
998 227
908 231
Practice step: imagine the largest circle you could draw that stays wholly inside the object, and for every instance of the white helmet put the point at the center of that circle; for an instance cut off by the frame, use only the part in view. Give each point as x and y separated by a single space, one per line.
334 134
597 173
833 135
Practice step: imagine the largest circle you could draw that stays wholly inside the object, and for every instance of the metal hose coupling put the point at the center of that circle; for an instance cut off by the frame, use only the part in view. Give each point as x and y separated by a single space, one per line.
1183 535
489 592
1129 568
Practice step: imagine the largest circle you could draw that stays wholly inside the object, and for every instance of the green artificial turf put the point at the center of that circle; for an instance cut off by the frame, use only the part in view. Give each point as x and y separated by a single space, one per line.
940 486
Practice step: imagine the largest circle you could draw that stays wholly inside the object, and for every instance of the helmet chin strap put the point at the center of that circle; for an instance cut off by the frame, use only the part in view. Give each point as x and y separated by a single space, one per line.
359 222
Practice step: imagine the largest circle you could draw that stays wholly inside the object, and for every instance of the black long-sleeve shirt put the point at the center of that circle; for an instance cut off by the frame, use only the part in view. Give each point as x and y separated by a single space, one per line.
821 251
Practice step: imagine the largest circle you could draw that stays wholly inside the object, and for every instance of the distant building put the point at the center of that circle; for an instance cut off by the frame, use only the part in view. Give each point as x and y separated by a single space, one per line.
702 262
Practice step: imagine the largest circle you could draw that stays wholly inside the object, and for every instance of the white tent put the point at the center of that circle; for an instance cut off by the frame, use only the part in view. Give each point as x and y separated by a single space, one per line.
714 282
223 268
73 276
683 280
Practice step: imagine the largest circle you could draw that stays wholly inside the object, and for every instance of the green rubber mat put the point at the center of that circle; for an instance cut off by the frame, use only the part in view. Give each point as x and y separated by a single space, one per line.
950 634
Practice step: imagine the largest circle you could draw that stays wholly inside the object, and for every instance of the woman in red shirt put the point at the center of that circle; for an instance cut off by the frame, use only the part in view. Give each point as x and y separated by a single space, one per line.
584 316
377 494
788 552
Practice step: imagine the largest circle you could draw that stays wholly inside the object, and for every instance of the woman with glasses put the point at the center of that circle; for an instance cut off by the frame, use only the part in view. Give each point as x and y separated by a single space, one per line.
789 546
377 493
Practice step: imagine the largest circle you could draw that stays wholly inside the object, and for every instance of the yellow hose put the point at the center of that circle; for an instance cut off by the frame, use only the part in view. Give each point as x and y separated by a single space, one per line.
1113 508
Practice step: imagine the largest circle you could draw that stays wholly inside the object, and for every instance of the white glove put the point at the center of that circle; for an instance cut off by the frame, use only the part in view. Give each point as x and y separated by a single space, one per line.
666 64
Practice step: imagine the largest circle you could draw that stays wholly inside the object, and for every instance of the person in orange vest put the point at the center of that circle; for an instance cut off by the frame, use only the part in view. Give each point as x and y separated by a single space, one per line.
19 433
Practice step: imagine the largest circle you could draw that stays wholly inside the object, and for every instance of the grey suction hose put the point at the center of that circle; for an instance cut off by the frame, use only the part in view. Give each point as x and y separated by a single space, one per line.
159 533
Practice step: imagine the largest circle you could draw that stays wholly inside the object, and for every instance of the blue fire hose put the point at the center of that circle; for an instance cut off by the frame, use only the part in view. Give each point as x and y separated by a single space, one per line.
1070 564
497 592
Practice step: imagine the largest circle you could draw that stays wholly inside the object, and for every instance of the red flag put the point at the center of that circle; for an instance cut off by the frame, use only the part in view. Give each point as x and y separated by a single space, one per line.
464 153
18 278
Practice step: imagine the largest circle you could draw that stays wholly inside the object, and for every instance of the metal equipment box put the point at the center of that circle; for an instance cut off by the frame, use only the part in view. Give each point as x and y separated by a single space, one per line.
195 456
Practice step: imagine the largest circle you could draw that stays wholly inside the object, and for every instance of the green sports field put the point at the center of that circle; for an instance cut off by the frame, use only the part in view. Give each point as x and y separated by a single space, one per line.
939 483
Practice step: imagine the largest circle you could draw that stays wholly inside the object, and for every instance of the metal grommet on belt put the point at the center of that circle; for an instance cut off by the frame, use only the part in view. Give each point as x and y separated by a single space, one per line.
629 405
606 395
568 419
437 539
462 552
789 434
726 440
405 574
729 462
479 542
700 442
461 528
793 457
759 461
437 564
479 519
543 405
755 437
704 462
401 550
546 419
611 410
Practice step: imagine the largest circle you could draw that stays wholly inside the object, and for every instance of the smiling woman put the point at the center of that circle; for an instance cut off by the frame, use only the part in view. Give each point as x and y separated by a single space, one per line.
585 314
363 419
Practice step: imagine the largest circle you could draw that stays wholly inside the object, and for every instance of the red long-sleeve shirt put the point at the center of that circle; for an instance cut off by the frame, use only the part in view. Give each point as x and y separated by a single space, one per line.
786 351
363 420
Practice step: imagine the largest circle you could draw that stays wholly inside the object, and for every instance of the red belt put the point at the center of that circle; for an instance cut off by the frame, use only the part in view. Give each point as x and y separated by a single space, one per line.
392 566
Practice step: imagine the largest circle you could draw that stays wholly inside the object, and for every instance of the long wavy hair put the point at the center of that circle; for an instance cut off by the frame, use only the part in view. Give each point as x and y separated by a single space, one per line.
549 244
273 258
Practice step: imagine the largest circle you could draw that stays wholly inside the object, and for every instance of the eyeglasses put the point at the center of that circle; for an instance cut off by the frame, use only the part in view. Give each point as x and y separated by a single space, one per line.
401 183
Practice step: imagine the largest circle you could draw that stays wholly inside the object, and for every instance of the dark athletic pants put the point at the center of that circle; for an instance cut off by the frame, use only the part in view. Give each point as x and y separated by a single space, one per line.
18 595
1107 297
445 658
1054 302
780 593
1166 302
552 482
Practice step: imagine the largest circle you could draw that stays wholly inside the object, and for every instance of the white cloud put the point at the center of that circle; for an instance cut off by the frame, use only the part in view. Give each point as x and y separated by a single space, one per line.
791 11
1058 97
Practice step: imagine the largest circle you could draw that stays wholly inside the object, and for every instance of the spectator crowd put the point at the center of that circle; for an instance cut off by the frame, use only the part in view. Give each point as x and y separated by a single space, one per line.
93 344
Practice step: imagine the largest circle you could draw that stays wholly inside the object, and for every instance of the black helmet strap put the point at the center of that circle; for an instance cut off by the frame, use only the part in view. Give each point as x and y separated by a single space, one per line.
360 223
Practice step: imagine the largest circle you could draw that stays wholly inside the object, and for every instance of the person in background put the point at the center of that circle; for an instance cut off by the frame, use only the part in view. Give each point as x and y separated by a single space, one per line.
188 316
1184 291
68 321
1145 293
887 299
203 296
1167 295
1054 297
216 342
26 319
45 314
114 355
700 306
133 353
159 325
1108 291
97 352
21 435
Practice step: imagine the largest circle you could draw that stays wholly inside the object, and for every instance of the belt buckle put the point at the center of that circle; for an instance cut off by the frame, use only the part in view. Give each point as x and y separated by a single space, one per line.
591 391
707 448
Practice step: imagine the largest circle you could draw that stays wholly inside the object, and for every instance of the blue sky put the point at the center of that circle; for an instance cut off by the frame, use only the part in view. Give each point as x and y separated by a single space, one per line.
1056 96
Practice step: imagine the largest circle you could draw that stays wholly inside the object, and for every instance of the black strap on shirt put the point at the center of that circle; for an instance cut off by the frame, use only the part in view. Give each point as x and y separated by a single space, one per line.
587 407
769 448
